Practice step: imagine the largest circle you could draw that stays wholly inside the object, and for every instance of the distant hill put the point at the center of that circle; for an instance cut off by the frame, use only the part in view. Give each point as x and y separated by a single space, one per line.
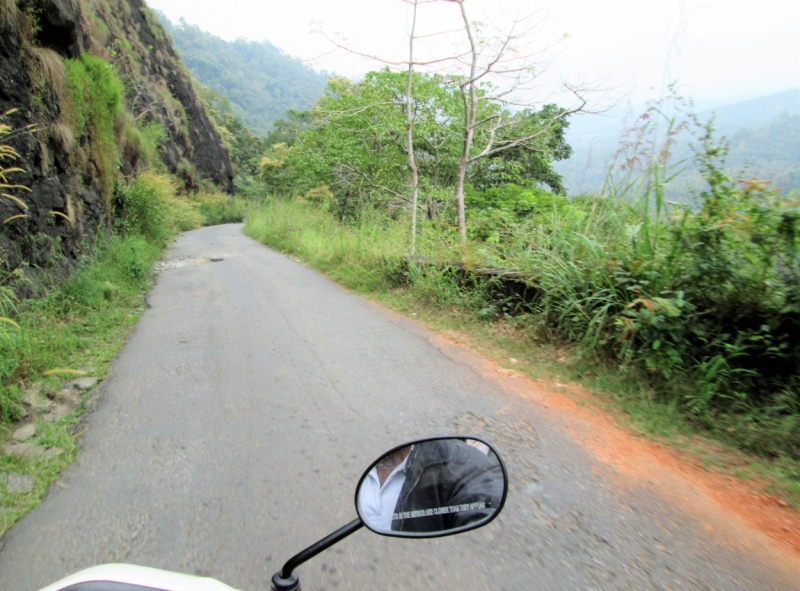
260 80
762 132
770 152
755 112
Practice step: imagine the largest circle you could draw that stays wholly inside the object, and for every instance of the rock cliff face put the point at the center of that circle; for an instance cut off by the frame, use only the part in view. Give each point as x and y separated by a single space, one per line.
72 145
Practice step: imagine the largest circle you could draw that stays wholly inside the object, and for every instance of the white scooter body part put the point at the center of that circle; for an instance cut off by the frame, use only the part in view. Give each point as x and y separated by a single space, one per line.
137 577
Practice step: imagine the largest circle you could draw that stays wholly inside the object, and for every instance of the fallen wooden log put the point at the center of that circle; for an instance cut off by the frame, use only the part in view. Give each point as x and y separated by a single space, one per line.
516 291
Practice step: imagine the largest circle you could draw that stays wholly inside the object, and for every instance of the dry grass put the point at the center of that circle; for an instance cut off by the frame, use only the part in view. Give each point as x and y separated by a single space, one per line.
53 70
63 136
45 156
60 214
9 14
8 153
19 216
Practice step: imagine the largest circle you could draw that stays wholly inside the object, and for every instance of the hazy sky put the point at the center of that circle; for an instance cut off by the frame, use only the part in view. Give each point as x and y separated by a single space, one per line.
717 48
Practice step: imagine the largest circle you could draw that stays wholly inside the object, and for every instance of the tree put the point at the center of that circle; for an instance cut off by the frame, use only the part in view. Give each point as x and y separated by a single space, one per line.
505 133
244 146
497 75
349 144
287 131
356 142
412 161
520 165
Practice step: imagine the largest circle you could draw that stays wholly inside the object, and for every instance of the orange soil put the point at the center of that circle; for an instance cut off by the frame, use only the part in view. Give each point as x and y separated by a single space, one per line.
713 496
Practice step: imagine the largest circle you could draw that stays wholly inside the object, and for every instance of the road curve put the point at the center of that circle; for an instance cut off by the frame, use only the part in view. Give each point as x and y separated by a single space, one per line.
238 417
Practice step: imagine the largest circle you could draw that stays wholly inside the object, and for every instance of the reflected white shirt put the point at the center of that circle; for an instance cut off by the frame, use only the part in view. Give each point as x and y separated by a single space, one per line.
377 503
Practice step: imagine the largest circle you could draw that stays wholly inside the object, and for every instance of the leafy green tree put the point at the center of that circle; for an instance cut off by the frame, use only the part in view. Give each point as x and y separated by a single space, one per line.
355 142
521 164
355 145
287 130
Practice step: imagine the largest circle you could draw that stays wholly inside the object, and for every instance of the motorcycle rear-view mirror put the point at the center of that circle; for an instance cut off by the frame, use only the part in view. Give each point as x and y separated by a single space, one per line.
433 487
421 489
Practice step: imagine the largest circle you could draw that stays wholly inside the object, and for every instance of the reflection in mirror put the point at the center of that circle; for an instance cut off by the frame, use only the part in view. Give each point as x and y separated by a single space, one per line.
432 487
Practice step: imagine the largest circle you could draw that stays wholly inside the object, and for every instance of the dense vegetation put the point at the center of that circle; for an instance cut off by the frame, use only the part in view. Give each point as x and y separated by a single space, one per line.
699 305
245 148
349 153
260 80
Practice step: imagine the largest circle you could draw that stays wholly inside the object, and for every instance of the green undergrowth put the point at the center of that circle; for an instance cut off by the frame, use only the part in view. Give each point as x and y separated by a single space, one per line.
81 324
92 104
45 470
353 255
369 257
218 208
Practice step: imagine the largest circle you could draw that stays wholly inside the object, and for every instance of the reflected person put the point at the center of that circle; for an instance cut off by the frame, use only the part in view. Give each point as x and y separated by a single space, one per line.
432 486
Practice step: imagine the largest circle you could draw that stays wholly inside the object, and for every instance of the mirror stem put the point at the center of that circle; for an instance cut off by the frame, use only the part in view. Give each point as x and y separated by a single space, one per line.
323 544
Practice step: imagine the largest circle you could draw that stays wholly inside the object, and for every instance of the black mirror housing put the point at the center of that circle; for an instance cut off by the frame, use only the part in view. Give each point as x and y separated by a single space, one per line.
432 487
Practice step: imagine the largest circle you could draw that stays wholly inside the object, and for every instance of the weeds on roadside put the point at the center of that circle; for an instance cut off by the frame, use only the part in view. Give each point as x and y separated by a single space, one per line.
699 303
81 322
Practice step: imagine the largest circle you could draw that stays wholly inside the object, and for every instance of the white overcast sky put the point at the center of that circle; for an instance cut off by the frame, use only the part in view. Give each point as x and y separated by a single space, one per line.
716 48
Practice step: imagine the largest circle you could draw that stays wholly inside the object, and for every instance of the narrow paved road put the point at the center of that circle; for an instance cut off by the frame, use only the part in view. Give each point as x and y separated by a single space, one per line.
244 407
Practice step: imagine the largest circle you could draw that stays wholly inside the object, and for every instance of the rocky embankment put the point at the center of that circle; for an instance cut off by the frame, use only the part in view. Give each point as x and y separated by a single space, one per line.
71 162
44 408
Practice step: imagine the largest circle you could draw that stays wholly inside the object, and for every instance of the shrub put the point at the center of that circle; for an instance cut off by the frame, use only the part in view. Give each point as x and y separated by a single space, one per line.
149 206
219 209
521 201
93 103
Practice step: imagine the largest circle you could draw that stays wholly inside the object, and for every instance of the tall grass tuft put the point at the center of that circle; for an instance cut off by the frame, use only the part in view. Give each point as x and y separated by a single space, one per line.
150 206
9 15
216 208
53 70
63 136
354 254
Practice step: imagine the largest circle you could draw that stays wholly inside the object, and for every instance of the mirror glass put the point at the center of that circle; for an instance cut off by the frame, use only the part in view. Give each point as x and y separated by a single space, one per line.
432 487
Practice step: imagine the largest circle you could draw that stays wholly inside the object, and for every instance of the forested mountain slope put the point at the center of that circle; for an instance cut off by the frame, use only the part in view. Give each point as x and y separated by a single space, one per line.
762 134
771 151
261 81
95 89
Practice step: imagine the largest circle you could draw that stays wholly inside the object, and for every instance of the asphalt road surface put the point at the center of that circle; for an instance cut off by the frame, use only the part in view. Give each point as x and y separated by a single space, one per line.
239 416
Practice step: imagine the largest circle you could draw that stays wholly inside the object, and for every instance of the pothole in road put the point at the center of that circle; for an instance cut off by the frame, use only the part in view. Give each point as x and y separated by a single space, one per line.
186 262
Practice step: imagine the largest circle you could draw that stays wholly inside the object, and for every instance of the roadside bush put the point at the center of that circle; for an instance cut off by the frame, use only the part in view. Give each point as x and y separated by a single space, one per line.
703 301
521 201
149 206
219 209
152 135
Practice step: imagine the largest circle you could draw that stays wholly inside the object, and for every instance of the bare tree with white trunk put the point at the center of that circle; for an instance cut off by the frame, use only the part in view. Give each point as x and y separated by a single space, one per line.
499 70
500 80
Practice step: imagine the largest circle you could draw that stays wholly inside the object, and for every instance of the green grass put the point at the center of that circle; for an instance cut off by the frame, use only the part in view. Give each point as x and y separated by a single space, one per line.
368 257
92 104
82 323
219 209
45 470
355 256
